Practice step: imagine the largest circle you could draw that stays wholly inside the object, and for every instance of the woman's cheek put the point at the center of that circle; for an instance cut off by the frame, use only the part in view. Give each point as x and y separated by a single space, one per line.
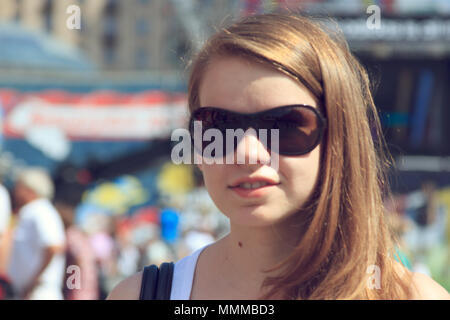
214 179
300 174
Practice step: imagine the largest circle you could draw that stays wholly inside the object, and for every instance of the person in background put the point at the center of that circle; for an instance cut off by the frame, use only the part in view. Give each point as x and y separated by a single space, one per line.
5 222
5 210
79 254
37 261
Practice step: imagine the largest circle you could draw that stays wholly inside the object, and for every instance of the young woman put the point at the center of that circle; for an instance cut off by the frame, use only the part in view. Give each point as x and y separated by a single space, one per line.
312 228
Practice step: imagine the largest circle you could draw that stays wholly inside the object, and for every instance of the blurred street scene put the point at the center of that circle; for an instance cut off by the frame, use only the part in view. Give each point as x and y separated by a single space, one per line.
90 92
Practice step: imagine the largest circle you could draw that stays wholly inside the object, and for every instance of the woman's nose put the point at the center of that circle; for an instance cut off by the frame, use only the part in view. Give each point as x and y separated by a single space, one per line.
251 150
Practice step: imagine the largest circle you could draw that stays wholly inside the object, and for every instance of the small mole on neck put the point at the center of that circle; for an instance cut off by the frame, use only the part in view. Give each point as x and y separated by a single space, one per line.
240 244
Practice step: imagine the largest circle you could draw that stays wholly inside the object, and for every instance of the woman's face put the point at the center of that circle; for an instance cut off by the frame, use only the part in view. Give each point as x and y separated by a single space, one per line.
236 84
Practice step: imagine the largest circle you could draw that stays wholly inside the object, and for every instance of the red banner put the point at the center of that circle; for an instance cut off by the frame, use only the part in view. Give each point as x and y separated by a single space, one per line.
102 115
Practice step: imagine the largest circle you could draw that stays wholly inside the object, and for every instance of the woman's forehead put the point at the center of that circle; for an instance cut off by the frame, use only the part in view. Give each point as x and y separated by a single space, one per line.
238 84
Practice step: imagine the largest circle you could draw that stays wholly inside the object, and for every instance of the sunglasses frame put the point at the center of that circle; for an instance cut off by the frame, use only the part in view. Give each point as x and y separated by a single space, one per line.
252 119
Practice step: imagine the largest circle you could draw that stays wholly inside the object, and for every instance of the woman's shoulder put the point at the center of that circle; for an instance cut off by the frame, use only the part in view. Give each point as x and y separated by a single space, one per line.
422 287
425 288
127 289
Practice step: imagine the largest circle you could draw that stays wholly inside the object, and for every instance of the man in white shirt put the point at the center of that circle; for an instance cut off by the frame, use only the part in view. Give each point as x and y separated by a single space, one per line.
37 262
5 210
5 220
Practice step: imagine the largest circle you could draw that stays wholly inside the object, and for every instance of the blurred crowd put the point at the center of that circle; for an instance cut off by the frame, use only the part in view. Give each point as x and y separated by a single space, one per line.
48 252
45 253
420 220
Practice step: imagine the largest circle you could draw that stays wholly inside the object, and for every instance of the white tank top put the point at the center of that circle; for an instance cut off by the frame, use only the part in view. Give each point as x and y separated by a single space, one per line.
183 276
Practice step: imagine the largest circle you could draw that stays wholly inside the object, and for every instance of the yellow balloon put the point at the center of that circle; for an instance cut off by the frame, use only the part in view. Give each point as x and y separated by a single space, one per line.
175 179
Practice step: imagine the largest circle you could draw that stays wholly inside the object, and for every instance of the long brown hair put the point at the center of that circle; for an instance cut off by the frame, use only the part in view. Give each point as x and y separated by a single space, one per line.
346 230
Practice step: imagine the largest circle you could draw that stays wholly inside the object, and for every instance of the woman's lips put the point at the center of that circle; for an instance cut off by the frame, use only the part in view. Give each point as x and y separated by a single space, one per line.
252 180
253 193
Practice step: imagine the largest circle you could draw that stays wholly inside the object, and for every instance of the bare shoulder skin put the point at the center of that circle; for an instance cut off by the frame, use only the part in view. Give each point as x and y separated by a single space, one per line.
422 286
127 289
425 288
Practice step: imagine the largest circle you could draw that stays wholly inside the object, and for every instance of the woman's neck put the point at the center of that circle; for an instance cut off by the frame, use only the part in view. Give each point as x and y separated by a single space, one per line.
246 252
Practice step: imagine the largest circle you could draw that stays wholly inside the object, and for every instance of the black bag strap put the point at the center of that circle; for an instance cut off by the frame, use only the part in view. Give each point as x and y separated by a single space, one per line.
157 282
148 284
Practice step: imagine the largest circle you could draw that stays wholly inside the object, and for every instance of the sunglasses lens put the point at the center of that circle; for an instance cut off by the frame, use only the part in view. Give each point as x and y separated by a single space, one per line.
299 131
211 118
299 127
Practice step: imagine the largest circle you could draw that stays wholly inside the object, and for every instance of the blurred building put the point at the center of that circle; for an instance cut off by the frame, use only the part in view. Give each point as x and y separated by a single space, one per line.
140 27
118 34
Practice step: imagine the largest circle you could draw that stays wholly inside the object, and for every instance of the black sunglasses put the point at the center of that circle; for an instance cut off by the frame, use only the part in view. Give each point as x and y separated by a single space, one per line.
301 127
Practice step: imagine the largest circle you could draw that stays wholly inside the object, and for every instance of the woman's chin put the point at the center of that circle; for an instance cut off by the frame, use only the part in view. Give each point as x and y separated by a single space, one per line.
255 217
